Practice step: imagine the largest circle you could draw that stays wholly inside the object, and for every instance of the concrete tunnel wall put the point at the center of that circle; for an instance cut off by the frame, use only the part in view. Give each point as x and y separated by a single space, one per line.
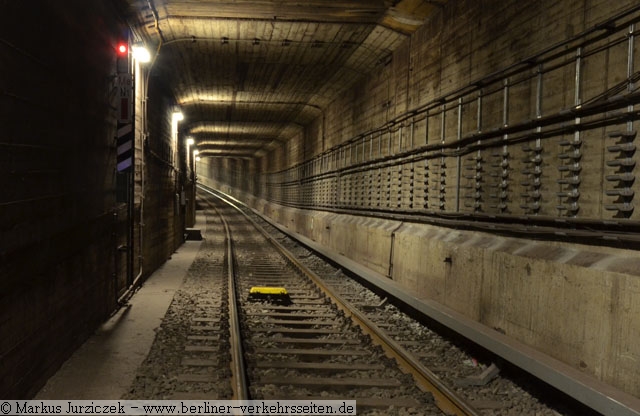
577 303
61 224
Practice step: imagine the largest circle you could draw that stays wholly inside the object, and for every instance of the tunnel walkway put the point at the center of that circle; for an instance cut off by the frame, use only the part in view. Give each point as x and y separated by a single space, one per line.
105 366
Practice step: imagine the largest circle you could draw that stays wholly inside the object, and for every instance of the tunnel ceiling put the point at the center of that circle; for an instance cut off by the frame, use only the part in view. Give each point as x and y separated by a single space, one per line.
249 75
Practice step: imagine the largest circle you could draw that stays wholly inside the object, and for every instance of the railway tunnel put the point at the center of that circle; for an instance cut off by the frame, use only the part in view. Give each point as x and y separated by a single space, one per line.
480 155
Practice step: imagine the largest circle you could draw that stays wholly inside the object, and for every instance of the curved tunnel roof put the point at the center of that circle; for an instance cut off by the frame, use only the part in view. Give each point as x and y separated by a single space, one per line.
249 75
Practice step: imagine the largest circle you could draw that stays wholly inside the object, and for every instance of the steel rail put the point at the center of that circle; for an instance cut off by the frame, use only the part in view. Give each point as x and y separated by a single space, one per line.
446 399
239 382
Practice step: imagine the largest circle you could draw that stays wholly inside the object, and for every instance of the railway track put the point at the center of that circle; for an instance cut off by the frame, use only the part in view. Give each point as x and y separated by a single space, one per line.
319 346
336 340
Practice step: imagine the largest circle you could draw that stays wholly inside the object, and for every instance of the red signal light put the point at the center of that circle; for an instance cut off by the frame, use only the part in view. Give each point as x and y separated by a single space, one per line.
122 49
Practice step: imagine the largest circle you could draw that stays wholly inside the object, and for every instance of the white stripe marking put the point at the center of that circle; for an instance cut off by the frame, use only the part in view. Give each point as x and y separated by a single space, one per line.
124 130
124 147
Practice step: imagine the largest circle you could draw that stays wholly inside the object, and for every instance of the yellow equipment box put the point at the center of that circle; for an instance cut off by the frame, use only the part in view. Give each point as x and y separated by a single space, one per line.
277 295
265 290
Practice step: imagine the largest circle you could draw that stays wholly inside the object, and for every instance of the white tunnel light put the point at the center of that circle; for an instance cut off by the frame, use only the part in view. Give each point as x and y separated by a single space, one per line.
198 159
190 141
141 54
178 116
196 152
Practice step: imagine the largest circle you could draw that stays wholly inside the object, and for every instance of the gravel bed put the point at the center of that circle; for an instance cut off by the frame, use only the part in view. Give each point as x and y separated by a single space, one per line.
159 376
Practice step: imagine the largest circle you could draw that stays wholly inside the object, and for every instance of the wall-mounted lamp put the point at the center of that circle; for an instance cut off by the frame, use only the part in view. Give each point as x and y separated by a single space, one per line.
141 54
196 152
178 116
190 141
198 159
